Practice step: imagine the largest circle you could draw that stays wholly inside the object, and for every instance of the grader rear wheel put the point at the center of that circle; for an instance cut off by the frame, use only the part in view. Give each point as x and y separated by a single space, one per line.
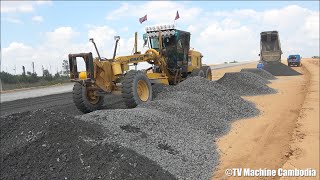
86 100
207 71
136 88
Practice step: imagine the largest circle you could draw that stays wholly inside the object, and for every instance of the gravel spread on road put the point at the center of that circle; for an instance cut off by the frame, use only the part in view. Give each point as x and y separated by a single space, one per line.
246 83
261 72
280 69
178 128
45 144
171 137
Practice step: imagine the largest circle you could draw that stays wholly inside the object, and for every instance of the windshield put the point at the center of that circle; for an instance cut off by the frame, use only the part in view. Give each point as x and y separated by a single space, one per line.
292 57
154 43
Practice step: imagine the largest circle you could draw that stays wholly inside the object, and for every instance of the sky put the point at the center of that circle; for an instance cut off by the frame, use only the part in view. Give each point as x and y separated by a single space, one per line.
45 32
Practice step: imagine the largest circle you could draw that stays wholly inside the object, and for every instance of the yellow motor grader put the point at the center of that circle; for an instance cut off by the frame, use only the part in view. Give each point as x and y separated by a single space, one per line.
170 58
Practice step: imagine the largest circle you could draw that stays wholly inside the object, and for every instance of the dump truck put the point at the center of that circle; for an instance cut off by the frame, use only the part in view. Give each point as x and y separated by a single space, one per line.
294 60
270 47
170 58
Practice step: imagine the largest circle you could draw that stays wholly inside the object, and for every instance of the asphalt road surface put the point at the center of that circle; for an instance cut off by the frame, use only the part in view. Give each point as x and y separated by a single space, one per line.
59 102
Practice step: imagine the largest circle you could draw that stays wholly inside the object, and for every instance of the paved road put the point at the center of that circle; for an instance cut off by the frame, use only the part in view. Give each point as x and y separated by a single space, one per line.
222 66
58 102
36 92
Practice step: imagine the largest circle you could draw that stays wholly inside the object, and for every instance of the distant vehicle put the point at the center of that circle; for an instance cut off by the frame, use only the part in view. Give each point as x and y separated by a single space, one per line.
270 47
294 60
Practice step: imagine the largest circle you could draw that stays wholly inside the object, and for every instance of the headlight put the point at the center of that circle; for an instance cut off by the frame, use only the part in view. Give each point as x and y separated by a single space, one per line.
164 33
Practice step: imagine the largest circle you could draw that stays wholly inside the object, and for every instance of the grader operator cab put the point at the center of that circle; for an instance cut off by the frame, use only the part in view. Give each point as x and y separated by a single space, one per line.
170 58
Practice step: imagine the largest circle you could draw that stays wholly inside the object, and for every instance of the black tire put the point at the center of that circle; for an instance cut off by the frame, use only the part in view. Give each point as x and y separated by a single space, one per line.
130 91
197 72
207 72
82 102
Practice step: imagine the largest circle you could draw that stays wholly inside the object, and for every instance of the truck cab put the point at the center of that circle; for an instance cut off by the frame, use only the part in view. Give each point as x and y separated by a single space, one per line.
294 60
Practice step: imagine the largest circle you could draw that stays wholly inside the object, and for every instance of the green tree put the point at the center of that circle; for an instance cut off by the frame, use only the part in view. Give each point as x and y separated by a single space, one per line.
57 76
46 75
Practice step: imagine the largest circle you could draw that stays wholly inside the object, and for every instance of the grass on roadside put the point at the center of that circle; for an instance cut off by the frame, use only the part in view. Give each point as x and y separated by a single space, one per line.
6 86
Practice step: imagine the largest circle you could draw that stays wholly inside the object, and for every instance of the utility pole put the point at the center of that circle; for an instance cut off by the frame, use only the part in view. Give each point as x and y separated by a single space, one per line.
33 67
15 70
23 71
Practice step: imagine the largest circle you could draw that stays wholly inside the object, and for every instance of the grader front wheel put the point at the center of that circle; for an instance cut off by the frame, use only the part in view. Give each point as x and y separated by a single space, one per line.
136 88
207 72
86 100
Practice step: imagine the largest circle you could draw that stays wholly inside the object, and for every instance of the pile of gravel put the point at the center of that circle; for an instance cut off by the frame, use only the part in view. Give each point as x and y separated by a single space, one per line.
158 88
246 83
261 72
280 69
50 145
178 128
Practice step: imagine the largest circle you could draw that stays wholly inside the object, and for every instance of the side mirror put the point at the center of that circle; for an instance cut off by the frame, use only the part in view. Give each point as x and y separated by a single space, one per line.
145 40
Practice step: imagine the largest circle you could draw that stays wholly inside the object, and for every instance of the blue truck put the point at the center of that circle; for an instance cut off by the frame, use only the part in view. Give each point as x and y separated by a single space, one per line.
294 60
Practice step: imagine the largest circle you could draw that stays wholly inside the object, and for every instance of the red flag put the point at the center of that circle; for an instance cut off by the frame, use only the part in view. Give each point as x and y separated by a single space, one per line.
177 16
144 18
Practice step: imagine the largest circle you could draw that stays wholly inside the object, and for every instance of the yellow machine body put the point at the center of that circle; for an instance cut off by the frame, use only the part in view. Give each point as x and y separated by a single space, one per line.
170 58
194 60
107 74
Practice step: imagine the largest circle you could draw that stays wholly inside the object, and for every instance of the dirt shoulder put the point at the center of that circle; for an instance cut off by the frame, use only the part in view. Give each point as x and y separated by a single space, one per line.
266 141
305 141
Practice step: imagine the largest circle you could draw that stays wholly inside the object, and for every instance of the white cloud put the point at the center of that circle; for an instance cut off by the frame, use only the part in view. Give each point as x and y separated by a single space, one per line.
123 9
38 19
50 53
16 54
21 6
16 6
236 35
220 36
56 46
101 34
61 37
159 12
219 43
12 20
44 2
